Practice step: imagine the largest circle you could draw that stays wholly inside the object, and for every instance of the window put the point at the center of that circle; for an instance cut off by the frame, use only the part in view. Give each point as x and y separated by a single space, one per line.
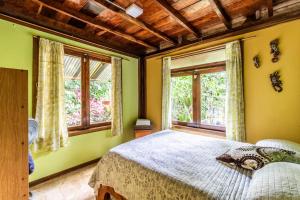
100 92
198 96
73 91
213 91
87 91
182 98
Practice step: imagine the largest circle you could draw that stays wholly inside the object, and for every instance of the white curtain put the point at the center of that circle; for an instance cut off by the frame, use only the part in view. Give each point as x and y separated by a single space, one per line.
117 113
166 94
235 119
50 109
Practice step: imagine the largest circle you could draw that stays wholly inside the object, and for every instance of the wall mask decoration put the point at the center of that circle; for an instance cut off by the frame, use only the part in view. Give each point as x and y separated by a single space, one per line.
256 61
276 82
275 50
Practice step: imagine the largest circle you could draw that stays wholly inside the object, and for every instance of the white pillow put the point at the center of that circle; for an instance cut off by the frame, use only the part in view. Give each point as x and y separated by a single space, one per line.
276 181
282 144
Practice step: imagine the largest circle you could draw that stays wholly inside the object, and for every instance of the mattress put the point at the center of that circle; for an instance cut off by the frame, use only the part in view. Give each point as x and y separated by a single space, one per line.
171 165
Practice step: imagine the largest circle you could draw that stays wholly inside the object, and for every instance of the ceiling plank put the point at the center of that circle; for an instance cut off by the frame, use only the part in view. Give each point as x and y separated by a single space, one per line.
220 11
69 31
179 18
248 27
270 7
91 21
135 21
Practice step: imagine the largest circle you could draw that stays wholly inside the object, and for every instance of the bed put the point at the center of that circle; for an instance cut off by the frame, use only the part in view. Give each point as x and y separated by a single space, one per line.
172 165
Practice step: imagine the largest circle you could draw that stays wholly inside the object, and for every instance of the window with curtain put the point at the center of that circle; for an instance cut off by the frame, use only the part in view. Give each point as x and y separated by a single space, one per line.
88 79
198 96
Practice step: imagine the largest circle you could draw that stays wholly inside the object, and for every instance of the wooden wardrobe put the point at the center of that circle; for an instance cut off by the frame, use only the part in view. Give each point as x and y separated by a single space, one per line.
13 134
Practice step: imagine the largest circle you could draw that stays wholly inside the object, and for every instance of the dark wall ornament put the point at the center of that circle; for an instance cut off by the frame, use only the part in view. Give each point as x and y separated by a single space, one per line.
276 82
275 50
256 61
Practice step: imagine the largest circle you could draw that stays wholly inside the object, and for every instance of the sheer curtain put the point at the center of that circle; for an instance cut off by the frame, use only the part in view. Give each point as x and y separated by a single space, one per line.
117 116
166 94
50 109
235 119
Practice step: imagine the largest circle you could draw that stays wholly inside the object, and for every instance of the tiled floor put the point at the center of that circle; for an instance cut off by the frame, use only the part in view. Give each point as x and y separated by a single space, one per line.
72 186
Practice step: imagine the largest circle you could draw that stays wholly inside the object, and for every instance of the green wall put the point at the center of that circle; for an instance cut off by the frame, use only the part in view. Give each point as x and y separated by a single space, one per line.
16 52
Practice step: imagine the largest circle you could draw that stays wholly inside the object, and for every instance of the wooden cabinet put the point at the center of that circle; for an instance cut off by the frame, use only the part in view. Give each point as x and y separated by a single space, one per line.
142 133
13 134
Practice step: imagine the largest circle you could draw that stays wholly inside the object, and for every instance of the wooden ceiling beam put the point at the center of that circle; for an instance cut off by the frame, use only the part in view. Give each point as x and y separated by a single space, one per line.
91 21
248 27
54 27
220 11
135 21
270 7
179 18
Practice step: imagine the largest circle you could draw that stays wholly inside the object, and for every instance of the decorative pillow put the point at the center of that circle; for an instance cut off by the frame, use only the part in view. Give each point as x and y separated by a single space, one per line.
282 144
255 157
276 181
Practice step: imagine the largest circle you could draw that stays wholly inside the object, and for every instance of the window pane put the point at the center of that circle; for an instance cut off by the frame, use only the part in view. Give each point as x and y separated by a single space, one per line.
100 92
182 99
213 91
73 90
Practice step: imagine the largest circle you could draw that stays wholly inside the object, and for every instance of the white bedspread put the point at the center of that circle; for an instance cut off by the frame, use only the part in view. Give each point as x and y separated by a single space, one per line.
187 162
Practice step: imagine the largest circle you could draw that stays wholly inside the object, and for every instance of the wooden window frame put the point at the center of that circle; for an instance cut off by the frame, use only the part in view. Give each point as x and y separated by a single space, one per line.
86 126
196 72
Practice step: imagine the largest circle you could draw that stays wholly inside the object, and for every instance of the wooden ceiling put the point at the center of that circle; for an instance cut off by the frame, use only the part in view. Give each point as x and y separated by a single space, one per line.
164 24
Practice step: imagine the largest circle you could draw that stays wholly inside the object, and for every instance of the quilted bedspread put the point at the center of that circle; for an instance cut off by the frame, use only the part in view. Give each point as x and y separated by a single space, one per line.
171 165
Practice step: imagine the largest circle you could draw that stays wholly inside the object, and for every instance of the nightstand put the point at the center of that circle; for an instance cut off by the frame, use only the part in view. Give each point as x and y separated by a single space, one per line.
142 133
142 128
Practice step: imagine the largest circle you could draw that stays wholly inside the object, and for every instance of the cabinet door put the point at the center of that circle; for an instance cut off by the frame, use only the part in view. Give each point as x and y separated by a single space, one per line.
13 134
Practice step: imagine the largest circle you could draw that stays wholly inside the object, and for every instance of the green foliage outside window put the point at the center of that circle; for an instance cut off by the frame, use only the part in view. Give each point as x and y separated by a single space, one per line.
182 99
100 110
213 91
73 102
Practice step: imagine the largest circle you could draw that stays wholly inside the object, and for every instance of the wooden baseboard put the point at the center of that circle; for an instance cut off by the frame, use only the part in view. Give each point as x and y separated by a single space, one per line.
52 176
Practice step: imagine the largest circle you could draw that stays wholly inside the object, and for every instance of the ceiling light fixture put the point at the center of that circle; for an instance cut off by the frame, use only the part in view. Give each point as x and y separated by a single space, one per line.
134 10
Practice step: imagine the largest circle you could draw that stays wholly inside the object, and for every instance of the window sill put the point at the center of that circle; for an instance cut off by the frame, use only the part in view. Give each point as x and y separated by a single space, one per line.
89 130
200 131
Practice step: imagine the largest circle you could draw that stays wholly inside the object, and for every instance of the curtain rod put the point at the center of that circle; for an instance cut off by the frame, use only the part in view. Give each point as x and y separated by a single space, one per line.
206 50
87 50
193 53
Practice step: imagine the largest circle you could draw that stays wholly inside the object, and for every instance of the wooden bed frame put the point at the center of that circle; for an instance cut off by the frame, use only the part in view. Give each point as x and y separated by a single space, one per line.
105 192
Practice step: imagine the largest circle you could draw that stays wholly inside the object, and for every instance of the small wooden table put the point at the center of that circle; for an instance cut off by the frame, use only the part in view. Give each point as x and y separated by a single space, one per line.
142 133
